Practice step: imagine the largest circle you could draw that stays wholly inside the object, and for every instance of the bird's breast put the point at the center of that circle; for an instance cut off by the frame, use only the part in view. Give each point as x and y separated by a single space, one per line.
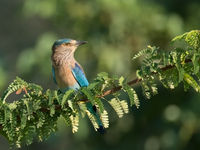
64 77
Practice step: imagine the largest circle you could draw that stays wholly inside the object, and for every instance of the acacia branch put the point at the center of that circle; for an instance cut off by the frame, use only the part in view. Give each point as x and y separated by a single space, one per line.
115 89
133 82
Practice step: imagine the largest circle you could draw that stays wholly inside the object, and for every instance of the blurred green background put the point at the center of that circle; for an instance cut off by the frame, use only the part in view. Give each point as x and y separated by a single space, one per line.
115 30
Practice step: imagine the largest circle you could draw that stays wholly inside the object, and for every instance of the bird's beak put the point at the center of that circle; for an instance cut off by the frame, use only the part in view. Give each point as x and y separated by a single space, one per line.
78 43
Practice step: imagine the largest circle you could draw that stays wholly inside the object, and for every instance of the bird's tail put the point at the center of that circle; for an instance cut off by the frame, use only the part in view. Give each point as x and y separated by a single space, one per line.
93 111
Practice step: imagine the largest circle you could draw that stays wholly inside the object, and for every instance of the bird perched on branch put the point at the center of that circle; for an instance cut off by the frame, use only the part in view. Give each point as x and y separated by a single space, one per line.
68 73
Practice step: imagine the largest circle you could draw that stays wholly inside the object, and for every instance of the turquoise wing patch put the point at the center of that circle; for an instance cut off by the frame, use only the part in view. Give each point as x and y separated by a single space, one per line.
79 76
54 75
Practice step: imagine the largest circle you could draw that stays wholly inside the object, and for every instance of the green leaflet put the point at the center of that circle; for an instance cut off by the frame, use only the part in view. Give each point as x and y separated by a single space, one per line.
124 106
120 107
1 117
179 37
83 109
52 110
178 63
140 53
74 122
89 95
65 97
66 116
29 134
192 82
104 118
186 86
121 81
41 119
93 85
181 74
154 89
150 50
195 61
103 76
115 103
146 90
134 100
130 91
29 106
93 120
192 38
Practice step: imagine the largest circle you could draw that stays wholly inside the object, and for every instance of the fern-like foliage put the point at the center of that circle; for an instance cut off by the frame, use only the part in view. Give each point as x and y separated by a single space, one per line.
35 114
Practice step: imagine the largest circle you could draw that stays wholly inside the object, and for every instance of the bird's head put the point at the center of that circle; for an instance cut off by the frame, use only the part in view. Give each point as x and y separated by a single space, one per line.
68 45
63 50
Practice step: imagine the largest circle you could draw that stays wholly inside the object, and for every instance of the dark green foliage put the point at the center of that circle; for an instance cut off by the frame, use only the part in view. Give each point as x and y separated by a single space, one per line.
35 114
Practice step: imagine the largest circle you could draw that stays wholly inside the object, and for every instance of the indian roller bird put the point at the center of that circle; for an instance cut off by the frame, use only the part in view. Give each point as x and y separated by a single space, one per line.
68 73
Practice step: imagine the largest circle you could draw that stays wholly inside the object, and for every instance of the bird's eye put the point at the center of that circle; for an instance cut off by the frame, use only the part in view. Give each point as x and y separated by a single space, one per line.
67 44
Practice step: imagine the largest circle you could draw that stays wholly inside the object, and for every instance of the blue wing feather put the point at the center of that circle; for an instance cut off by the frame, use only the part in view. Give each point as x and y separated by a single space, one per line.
79 75
54 76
